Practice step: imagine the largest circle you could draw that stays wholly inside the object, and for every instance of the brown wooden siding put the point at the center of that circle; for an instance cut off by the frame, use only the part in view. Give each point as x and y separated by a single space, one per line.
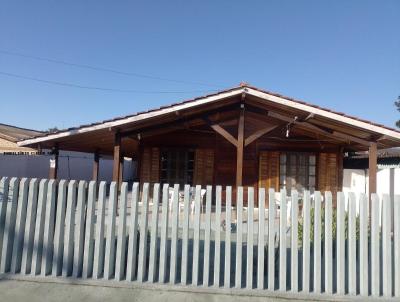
150 165
203 167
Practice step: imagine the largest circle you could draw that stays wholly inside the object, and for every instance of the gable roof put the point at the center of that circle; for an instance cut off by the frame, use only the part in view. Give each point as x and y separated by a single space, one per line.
245 89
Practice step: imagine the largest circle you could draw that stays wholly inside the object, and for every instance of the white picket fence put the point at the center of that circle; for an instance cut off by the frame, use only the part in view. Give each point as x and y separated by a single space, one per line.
70 229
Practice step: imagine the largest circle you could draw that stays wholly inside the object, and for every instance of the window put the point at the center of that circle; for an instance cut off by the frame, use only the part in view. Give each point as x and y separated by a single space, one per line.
177 166
297 171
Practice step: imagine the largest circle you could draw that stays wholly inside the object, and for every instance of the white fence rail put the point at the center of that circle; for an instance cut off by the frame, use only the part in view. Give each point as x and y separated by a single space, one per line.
176 235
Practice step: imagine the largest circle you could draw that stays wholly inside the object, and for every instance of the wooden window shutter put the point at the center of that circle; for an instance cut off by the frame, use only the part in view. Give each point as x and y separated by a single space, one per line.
203 167
328 173
268 173
150 165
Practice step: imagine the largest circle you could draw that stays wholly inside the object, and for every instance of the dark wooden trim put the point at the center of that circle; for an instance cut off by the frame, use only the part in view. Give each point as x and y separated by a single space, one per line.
239 150
117 156
96 166
372 161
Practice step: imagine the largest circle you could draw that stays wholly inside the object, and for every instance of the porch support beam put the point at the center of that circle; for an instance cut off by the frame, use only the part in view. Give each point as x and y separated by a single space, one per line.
258 134
117 156
352 138
96 163
372 165
239 149
221 131
53 170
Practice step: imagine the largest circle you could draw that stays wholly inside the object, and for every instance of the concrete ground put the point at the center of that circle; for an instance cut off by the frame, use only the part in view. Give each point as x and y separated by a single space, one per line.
39 289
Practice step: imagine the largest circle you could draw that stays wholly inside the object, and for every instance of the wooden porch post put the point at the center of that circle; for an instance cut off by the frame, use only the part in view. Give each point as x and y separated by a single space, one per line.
117 156
96 162
54 163
239 149
121 169
372 159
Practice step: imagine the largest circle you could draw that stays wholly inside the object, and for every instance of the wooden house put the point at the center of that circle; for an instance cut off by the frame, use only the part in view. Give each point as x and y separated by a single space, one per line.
242 136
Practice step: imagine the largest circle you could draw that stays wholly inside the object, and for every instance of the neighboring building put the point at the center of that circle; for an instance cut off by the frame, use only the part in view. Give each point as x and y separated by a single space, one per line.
17 161
242 136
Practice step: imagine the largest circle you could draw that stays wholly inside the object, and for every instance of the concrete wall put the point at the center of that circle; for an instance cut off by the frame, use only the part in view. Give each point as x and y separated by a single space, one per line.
72 165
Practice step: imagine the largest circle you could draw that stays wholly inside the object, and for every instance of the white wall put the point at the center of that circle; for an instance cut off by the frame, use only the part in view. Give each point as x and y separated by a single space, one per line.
72 165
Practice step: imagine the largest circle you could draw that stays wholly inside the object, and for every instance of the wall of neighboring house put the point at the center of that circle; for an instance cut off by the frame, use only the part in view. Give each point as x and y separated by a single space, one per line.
72 165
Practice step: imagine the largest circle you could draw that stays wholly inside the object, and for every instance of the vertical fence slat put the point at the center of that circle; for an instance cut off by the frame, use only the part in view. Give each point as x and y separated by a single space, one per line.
239 238
352 253
59 228
196 237
185 239
143 233
317 242
132 242
154 233
174 237
294 242
48 237
20 226
121 238
282 241
88 252
375 255
340 244
98 260
4 185
261 238
164 234
38 239
386 246
396 236
328 252
79 230
109 261
207 232
217 253
363 245
69 230
271 240
29 227
306 242
9 226
228 231
250 237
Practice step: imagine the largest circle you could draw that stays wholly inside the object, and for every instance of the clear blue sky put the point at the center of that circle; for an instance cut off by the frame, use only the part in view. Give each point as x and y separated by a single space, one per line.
344 55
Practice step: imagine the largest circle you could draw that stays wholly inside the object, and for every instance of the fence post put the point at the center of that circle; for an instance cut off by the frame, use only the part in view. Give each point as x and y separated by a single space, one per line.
294 243
196 237
38 241
154 231
109 263
271 240
228 230
317 242
396 238
217 250
250 237
88 252
79 230
340 242
239 238
98 260
352 239
375 255
207 232
132 243
282 241
69 230
185 239
164 234
363 245
143 233
121 239
59 228
306 242
29 227
174 237
4 185
19 226
48 237
386 247
328 244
